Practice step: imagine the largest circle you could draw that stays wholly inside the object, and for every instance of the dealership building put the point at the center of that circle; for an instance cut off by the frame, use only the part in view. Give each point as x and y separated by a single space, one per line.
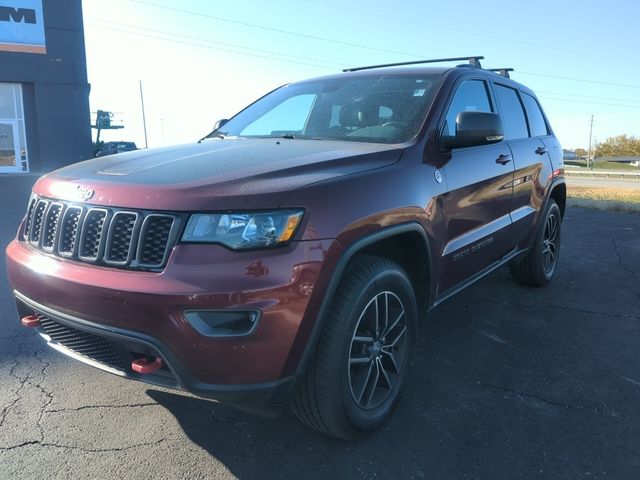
44 92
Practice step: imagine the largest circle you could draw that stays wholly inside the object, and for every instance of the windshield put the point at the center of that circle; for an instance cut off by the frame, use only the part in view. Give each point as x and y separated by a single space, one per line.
380 109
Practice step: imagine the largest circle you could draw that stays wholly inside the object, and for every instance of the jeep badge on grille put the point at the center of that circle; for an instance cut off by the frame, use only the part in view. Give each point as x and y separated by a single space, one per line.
84 193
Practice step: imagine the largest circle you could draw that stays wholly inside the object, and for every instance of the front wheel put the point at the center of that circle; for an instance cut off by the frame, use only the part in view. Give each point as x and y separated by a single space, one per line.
539 266
363 353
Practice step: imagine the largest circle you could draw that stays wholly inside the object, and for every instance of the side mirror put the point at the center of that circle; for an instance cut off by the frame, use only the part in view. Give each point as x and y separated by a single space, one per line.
474 129
220 124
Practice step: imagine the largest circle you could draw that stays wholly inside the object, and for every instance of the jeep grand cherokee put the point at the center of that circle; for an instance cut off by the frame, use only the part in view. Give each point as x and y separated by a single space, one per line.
287 258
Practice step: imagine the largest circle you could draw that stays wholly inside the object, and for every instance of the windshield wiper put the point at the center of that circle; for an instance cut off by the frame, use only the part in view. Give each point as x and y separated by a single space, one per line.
211 135
288 136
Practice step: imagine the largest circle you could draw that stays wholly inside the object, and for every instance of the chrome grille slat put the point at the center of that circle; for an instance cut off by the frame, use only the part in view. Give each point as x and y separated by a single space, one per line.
119 242
37 219
91 238
68 235
50 228
154 239
113 237
27 223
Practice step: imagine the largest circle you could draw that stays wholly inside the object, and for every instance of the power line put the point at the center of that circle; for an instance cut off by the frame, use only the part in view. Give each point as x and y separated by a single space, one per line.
271 52
436 26
589 96
255 55
200 39
635 107
350 44
584 80
276 30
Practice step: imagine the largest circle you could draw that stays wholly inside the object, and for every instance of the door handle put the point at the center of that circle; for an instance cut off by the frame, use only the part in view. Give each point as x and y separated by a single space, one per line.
541 150
504 159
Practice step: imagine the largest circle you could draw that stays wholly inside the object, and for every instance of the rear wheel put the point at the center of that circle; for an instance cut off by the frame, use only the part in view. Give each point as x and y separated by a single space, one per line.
363 352
539 266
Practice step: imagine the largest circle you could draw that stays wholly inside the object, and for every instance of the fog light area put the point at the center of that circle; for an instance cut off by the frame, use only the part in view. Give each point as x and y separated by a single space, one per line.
223 323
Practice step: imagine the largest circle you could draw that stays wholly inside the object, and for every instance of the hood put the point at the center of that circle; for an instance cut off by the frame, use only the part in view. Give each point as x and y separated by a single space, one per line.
217 174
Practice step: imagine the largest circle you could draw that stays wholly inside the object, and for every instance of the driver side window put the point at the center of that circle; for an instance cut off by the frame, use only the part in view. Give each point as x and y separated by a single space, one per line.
471 96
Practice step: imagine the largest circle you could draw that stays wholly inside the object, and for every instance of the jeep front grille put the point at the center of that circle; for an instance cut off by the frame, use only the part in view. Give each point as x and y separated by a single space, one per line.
155 234
121 232
114 237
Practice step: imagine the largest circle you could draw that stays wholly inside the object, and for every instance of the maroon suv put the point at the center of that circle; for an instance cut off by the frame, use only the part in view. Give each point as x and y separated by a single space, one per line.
287 258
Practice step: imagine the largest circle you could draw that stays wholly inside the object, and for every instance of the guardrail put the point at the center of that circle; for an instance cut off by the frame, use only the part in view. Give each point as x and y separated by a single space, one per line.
602 173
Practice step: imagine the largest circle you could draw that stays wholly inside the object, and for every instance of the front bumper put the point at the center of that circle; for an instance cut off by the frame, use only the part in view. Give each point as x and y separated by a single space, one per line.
142 313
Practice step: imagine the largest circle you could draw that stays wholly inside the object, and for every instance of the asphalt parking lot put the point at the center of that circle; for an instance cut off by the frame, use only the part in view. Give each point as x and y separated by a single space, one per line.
508 382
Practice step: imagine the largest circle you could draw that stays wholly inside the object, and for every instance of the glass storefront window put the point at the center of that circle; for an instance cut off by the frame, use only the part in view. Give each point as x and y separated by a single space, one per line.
7 101
13 145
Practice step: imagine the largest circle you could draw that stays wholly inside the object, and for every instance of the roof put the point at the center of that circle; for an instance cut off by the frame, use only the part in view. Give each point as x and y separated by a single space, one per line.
417 68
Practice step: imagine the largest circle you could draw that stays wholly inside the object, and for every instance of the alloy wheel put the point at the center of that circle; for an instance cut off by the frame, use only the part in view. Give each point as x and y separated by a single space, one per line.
378 350
550 245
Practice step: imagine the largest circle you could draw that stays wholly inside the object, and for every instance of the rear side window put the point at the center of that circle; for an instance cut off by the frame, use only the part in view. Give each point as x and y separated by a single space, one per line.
536 120
471 96
513 119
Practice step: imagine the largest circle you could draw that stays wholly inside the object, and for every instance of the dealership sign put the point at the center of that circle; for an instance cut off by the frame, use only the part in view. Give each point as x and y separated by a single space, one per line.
22 26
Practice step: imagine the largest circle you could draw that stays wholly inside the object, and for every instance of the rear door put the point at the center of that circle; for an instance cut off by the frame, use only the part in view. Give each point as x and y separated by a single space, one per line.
477 205
524 128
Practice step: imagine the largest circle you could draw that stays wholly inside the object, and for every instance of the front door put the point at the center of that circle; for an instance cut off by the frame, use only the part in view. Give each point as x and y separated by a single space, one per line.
10 160
476 208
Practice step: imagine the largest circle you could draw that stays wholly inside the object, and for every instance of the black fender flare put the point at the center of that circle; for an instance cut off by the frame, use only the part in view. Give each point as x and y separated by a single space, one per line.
336 276
558 180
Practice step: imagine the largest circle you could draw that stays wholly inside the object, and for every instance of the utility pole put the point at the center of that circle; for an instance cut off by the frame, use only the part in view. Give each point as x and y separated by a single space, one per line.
144 118
589 159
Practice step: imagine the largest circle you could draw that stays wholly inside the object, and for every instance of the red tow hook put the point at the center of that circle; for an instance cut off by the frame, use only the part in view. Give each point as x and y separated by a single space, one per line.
144 366
30 321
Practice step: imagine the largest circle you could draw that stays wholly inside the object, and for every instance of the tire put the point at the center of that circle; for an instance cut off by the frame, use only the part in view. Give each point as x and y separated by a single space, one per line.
354 380
539 266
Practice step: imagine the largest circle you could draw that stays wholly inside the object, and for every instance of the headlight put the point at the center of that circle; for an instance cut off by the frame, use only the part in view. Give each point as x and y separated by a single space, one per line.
243 230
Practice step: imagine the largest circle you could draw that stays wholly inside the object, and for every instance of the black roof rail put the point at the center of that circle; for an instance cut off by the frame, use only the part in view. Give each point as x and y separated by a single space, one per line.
501 71
473 61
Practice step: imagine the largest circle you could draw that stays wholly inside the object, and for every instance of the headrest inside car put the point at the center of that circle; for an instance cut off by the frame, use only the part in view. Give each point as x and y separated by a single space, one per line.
358 115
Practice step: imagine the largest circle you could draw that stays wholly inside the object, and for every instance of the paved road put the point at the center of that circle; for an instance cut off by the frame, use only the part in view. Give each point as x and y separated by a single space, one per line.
508 382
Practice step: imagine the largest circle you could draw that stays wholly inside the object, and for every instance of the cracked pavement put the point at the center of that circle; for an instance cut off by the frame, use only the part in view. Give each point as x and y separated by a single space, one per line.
507 382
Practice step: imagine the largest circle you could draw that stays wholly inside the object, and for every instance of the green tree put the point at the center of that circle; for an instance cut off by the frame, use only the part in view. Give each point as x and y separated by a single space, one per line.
618 146
581 152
